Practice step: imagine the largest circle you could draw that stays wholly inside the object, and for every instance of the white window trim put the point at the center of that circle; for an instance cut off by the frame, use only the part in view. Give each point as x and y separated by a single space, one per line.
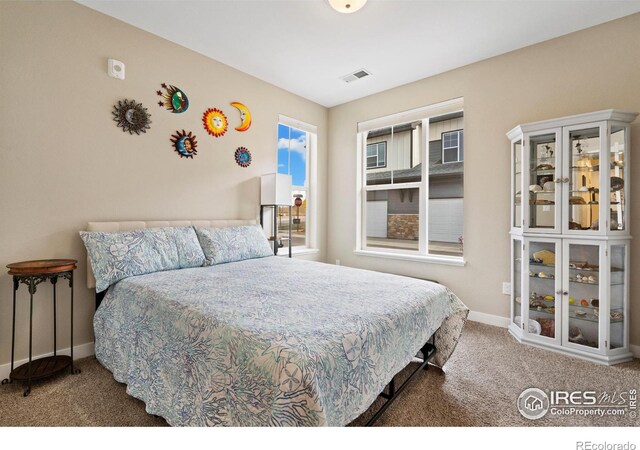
424 114
311 189
456 147
378 165
445 260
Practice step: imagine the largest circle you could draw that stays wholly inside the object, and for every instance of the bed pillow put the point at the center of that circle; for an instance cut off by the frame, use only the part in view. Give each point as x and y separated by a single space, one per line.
119 255
229 244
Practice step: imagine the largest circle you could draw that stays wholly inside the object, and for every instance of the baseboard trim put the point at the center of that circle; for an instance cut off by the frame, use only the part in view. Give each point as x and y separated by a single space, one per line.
635 349
79 351
489 319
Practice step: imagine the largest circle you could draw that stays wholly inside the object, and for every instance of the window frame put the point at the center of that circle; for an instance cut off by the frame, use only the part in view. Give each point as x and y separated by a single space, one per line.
458 132
384 151
424 115
311 178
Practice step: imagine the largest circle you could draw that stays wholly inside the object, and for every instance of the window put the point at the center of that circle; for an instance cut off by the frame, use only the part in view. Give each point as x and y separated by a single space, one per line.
413 207
296 144
452 146
376 155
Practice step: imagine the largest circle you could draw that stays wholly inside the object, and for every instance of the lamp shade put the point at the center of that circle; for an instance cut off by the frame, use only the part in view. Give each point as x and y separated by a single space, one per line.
275 189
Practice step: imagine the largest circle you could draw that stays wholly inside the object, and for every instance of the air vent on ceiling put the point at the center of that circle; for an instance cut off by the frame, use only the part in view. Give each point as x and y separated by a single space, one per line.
358 74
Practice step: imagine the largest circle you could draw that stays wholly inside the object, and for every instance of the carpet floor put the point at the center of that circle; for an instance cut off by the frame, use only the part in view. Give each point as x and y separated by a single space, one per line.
483 380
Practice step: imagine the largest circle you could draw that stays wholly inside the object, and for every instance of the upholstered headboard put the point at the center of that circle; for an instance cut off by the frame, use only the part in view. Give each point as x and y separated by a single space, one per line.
110 227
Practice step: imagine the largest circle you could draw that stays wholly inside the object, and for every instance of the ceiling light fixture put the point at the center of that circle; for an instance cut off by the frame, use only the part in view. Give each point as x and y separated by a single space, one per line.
347 6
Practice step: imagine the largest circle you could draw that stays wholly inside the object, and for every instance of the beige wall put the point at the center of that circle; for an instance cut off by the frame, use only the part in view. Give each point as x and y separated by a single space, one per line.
63 162
590 70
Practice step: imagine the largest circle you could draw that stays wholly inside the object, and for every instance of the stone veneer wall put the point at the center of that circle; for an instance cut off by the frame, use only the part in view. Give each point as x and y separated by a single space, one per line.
402 226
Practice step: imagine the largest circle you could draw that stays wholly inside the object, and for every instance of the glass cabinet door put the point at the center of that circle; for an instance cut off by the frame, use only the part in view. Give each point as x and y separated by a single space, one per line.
517 183
584 178
516 283
542 289
544 158
618 140
582 295
617 296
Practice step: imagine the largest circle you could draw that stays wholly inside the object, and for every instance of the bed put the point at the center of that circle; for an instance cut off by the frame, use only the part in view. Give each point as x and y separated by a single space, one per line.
268 341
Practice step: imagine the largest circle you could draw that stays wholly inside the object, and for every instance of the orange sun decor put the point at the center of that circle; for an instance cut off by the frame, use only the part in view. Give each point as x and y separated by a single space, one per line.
215 122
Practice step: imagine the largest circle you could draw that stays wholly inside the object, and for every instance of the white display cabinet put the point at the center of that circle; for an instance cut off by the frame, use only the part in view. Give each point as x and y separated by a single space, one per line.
570 274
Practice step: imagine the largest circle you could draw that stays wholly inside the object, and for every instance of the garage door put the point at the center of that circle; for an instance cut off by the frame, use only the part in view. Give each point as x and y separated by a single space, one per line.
445 219
377 219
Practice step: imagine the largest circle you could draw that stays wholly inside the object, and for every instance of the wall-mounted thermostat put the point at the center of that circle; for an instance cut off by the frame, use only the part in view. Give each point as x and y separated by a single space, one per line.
115 69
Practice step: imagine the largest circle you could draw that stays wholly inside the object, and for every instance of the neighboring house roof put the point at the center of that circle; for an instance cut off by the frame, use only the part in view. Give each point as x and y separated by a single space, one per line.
413 174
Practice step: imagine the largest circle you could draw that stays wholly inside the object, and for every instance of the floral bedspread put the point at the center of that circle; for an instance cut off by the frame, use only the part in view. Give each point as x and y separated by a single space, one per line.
270 341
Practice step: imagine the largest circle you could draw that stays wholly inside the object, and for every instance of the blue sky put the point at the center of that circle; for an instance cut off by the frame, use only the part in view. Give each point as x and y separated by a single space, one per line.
292 145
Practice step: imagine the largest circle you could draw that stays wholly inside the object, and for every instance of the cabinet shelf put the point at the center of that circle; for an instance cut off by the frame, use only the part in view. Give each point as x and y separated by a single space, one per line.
585 169
543 311
591 318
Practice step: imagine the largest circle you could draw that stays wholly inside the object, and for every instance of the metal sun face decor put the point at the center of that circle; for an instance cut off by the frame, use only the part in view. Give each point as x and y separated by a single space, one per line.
185 144
243 157
131 116
215 122
175 100
245 116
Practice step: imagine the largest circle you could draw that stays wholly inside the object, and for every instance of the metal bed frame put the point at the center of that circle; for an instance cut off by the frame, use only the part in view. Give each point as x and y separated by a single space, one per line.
428 350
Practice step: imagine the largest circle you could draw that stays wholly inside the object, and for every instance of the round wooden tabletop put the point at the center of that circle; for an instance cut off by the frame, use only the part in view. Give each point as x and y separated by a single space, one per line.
42 266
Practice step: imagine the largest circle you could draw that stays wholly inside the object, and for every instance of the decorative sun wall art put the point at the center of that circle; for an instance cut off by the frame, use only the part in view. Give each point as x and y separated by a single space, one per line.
245 116
175 100
131 116
215 122
243 157
185 144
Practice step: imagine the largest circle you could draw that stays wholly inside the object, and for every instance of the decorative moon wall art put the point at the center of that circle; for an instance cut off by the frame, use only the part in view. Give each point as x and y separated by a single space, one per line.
245 116
215 122
185 144
243 157
175 100
131 116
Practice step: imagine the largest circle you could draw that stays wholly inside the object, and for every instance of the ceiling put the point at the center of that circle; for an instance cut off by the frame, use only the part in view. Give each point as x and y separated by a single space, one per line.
304 46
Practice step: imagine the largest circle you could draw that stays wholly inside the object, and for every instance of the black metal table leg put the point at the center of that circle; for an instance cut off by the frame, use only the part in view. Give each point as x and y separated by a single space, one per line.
54 282
16 284
32 290
74 371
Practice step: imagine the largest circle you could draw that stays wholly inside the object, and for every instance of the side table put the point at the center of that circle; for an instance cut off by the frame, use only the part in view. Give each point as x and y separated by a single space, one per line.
32 273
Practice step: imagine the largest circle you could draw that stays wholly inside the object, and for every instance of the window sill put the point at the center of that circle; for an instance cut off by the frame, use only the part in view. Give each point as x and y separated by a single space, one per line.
445 260
298 251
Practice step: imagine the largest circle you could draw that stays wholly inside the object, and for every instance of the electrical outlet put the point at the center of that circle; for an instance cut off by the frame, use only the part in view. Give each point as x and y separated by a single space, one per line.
337 262
506 288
